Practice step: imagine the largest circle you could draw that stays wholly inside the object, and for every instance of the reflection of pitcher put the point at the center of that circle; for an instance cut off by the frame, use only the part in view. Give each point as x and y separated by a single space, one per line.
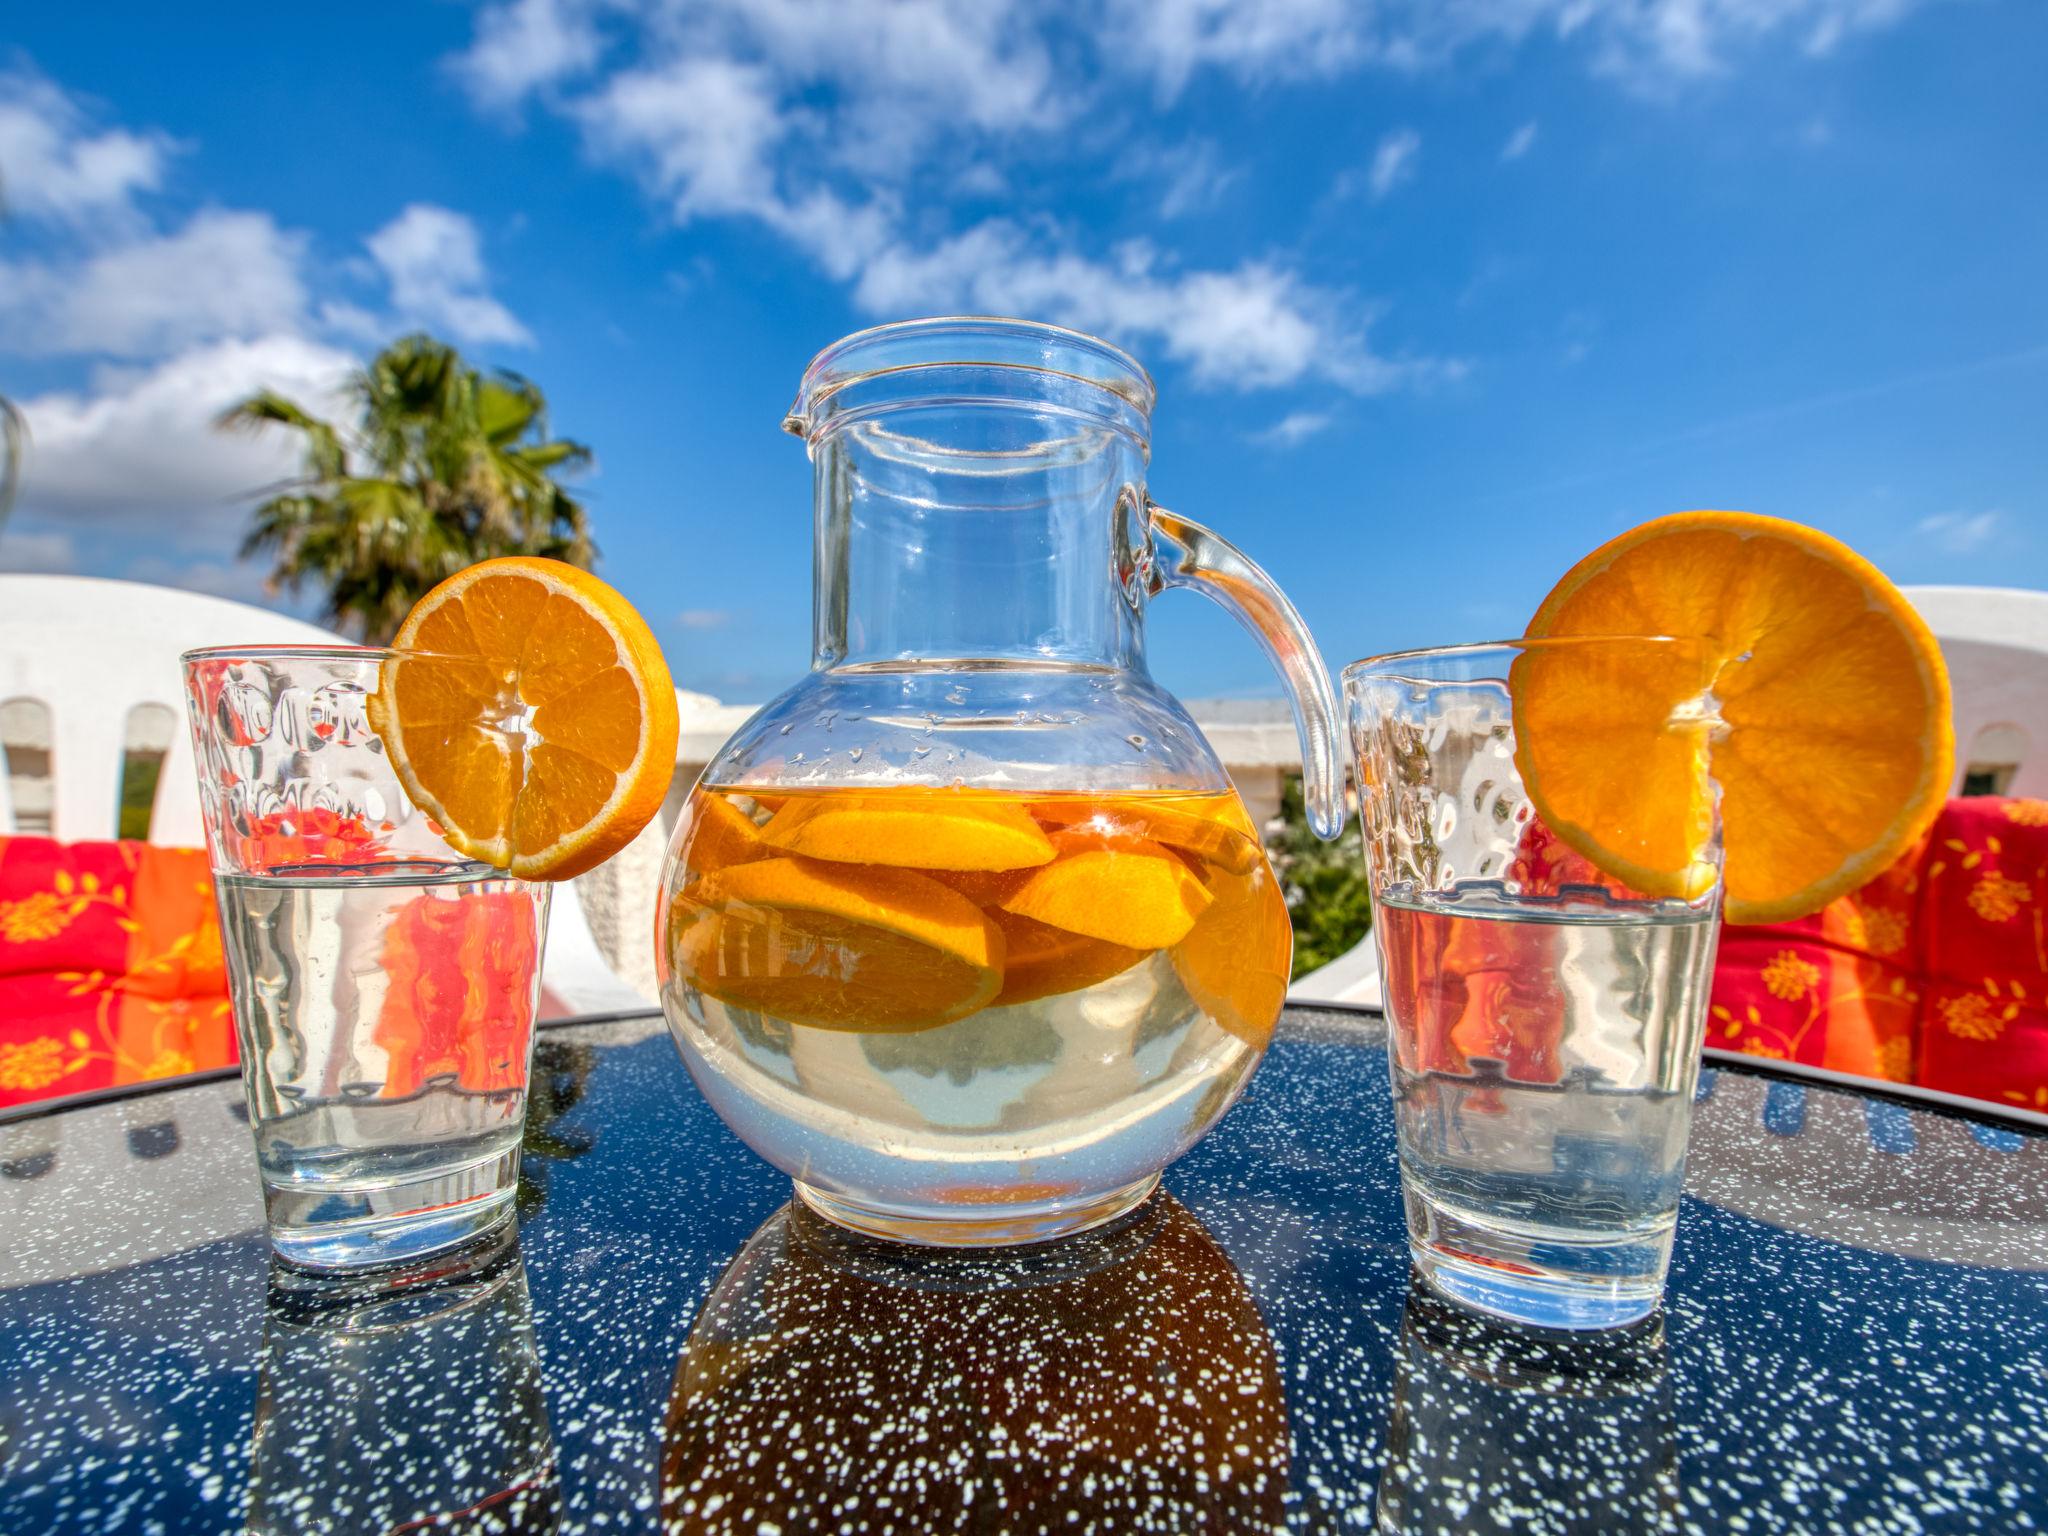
1488 1416
1125 1373
393 1405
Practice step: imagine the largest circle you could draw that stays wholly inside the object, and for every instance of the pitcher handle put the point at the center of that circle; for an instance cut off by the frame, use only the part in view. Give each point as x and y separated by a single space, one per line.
1192 556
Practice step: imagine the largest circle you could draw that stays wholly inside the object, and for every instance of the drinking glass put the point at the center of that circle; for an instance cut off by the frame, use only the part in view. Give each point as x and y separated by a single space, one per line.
384 984
1545 1018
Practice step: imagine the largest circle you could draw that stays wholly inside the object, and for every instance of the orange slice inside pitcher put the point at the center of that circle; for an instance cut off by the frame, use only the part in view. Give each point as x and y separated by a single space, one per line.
973 834
1139 896
539 726
1215 828
837 946
1830 738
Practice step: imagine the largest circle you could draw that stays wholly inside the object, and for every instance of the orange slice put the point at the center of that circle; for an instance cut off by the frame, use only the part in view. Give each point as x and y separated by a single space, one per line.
541 731
1139 895
1215 828
925 832
721 835
833 947
1042 961
1238 958
1833 747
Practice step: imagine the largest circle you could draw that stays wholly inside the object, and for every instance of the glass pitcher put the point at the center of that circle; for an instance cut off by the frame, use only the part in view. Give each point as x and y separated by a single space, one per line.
968 931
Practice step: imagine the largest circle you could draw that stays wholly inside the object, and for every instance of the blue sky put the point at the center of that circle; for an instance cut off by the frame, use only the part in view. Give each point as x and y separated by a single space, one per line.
1438 295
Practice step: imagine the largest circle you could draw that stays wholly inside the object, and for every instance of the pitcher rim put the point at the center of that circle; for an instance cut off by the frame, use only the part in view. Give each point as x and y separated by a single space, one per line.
818 384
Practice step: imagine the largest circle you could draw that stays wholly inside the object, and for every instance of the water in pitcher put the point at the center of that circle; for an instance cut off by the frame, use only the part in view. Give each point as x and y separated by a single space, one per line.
386 1020
1544 1057
949 998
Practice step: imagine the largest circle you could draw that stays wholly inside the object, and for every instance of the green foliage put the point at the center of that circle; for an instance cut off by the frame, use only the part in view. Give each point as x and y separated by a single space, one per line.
139 774
445 466
1327 895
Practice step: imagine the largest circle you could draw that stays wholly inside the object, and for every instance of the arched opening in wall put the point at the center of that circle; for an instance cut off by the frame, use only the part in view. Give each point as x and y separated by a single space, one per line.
1993 759
25 758
144 741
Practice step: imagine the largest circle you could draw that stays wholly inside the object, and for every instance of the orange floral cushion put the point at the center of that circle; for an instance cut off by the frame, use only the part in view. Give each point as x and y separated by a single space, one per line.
110 967
1934 973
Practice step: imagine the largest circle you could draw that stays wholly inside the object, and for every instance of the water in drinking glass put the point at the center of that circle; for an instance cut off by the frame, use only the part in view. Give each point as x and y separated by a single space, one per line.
386 1014
1544 1052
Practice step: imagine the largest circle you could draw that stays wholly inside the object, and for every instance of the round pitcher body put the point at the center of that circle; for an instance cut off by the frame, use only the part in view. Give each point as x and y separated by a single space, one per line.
968 931
985 1002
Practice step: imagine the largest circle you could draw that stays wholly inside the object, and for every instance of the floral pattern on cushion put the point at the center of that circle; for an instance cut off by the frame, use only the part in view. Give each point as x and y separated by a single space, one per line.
1935 973
1984 923
110 967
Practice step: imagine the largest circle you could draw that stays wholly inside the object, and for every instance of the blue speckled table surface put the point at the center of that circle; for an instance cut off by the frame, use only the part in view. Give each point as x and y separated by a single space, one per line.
1855 1338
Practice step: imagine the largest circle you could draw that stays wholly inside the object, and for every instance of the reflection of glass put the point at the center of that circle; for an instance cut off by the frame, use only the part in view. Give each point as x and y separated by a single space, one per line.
1517 1428
1125 1373
384 984
411 1401
1544 1019
969 932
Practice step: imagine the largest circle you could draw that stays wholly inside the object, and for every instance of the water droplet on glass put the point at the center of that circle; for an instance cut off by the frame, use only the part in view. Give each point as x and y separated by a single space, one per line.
854 753
789 727
1136 741
956 695
921 751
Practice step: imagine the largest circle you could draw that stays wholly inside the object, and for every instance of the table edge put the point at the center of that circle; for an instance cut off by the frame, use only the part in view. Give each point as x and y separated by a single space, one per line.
1931 1100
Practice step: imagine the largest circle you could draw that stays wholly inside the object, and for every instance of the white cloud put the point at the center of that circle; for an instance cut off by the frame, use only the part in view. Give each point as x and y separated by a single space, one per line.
55 166
223 274
1254 39
1293 428
434 263
1646 43
140 451
37 551
1960 533
1393 161
237 580
524 46
704 618
1254 326
1519 142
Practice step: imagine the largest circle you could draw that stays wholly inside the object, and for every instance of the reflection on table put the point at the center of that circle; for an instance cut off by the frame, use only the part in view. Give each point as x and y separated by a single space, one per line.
404 1402
1121 1380
1527 1429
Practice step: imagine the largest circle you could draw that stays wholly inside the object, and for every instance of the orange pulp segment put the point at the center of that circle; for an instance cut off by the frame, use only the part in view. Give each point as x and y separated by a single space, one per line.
837 947
967 834
1214 828
1137 895
1832 743
539 729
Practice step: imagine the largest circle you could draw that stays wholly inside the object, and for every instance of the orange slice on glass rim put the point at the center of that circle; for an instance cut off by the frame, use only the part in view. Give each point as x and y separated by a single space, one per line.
1827 730
838 946
536 723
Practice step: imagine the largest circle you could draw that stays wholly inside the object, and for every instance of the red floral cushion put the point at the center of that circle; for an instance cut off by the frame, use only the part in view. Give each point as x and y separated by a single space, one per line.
1984 917
110 967
1935 973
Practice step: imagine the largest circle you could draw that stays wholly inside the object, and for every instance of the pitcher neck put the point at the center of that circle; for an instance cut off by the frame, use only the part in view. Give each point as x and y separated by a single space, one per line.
918 564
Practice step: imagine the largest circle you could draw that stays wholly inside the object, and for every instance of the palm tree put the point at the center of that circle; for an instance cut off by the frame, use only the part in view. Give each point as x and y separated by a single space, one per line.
445 467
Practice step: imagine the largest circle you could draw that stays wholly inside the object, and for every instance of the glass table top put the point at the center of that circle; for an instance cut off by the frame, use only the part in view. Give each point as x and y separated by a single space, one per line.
1855 1338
